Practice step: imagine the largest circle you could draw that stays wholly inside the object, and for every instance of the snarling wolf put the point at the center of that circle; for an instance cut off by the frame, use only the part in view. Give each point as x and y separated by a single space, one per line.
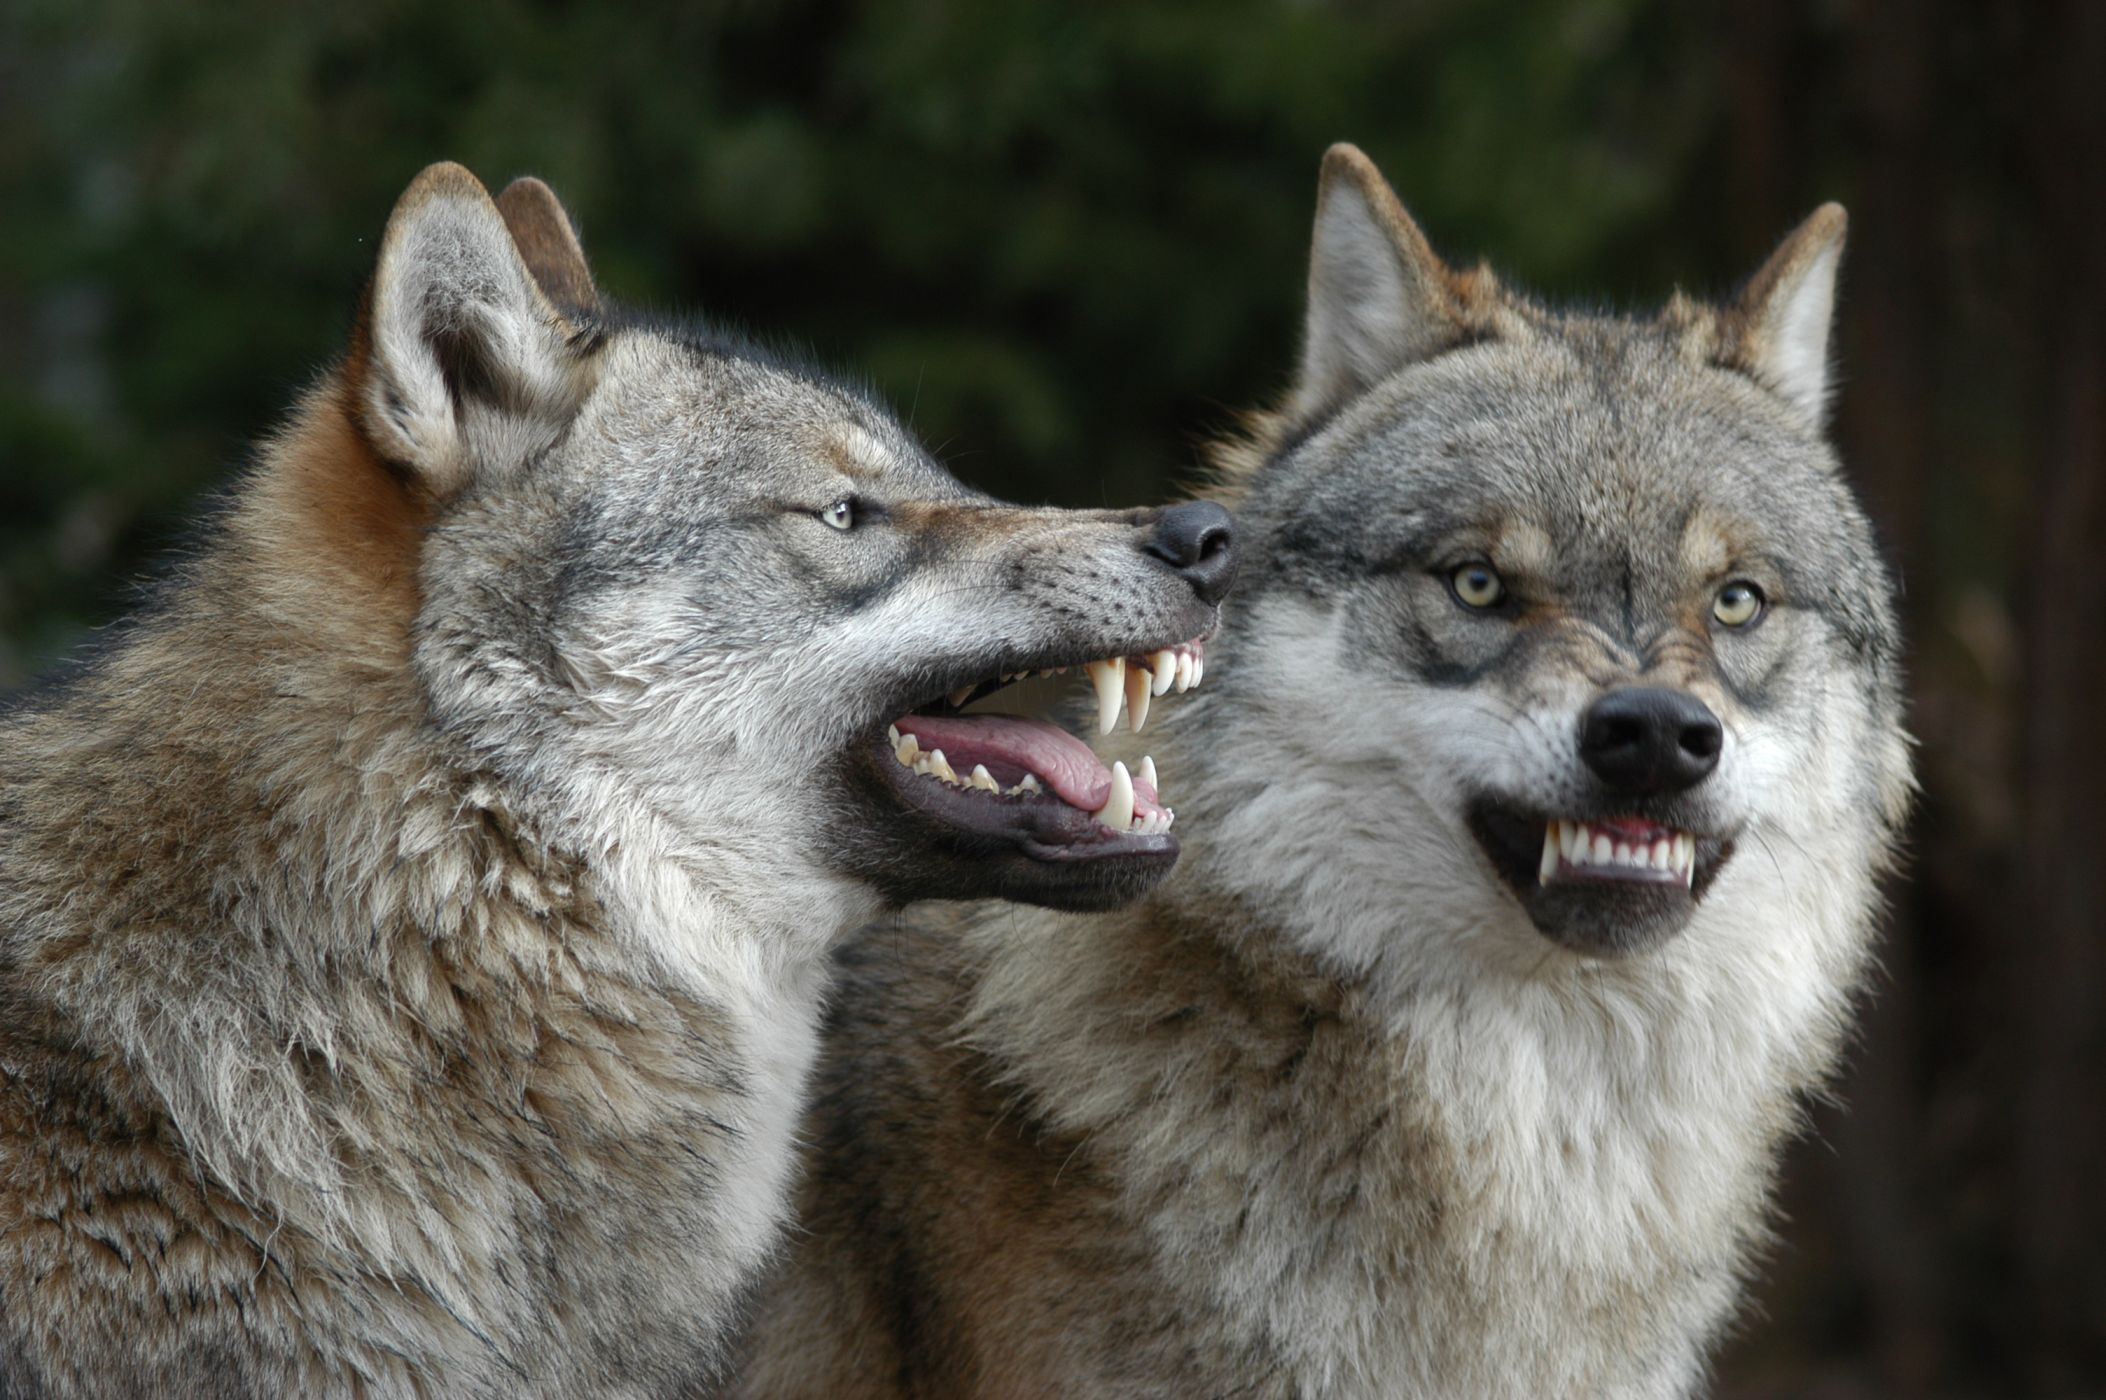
1541 799
412 926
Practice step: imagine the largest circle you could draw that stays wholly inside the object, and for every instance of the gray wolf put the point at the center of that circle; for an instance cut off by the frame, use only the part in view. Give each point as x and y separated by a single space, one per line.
1555 751
412 927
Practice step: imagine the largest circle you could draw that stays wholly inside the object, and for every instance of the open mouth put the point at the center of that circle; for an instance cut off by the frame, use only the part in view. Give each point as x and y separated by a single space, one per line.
1609 883
1032 782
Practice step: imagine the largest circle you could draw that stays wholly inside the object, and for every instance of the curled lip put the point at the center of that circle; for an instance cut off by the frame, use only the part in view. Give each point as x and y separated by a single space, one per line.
1602 900
1029 784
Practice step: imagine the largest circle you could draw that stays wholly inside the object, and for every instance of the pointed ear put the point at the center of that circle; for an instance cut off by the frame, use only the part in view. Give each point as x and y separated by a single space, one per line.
548 244
1780 326
460 363
1379 298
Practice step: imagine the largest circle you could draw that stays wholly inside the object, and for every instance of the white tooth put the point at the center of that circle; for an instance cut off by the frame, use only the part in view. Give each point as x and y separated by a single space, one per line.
1148 775
1164 665
1137 682
921 765
1550 854
962 694
1169 818
1117 811
1568 839
907 749
1184 672
981 778
1623 853
1603 852
1199 669
1663 854
940 767
892 733
1030 783
1110 680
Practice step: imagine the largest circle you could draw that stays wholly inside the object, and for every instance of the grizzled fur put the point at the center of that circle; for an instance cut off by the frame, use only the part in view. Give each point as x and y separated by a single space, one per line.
1327 1115
412 927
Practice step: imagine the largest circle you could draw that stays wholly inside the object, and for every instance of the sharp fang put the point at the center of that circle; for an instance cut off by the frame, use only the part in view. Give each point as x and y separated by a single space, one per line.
1137 683
1164 663
940 767
1117 811
962 694
1110 680
981 778
1148 774
907 749
1550 854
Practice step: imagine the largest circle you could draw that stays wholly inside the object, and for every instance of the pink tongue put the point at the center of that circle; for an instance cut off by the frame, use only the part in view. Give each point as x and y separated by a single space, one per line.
1062 762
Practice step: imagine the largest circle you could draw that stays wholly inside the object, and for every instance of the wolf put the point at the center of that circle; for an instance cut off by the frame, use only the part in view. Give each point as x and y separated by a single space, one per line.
1540 805
413 924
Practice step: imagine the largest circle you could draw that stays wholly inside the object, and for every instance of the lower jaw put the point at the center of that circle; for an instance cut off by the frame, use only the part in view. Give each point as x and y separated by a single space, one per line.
1605 904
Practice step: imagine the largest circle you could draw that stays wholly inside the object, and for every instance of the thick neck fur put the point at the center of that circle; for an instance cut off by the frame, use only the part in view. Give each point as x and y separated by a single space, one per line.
1391 1138
391 1009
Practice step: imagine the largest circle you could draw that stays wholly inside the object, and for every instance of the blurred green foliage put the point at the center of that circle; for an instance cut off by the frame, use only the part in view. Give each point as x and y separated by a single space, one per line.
1066 238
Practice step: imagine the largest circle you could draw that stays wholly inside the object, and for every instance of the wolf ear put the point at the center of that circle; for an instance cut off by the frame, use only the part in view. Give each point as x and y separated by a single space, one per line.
1779 329
1379 297
461 362
548 243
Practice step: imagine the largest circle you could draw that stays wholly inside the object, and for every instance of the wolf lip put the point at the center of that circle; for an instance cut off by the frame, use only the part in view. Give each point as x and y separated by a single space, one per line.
1600 899
1027 778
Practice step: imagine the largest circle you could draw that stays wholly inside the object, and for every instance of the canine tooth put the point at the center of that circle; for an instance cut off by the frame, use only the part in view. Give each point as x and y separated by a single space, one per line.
940 767
906 749
962 694
1163 665
1117 811
1148 774
981 778
1110 680
1137 683
1550 854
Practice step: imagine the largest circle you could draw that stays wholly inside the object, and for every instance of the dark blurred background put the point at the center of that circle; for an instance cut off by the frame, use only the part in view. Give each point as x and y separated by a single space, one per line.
1070 239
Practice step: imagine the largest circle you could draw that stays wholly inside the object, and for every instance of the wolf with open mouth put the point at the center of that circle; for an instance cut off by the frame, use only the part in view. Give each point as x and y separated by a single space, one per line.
1537 818
413 927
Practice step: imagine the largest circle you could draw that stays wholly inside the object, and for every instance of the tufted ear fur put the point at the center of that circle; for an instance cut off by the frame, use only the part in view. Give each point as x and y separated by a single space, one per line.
462 364
1779 330
542 231
1379 297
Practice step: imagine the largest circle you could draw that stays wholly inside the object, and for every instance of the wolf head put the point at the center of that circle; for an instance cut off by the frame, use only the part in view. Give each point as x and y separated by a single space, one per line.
663 571
1570 617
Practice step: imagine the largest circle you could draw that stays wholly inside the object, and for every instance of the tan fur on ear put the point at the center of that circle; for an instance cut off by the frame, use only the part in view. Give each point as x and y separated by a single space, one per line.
548 244
1380 298
1778 329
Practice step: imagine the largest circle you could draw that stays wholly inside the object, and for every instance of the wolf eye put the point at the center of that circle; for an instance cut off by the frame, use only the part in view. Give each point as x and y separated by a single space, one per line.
1738 604
1478 586
841 514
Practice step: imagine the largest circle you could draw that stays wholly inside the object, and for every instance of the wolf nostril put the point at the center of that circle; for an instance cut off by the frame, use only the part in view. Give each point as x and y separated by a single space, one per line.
1646 740
1197 538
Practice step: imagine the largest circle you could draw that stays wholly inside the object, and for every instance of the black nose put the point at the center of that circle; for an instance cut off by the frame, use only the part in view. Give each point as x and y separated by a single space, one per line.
1649 741
1198 539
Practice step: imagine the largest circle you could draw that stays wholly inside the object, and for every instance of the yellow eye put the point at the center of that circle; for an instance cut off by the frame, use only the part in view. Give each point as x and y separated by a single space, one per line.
1737 604
841 514
1478 586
